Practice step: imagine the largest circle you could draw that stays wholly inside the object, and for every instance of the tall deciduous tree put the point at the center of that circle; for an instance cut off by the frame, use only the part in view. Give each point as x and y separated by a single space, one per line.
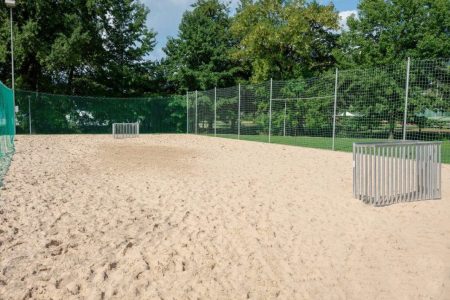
126 41
285 39
78 47
198 58
387 31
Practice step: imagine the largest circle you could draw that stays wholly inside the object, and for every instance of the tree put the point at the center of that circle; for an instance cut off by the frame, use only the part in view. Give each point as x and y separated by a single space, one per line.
285 39
126 41
78 47
386 32
198 57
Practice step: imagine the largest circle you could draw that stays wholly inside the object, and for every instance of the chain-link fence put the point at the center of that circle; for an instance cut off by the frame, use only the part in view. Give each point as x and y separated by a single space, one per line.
7 131
408 101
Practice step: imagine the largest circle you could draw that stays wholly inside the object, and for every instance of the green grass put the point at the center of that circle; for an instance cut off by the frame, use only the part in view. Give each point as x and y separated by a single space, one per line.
341 144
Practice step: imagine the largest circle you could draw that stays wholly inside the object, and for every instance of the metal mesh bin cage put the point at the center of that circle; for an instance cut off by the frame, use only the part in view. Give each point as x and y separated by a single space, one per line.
125 130
401 171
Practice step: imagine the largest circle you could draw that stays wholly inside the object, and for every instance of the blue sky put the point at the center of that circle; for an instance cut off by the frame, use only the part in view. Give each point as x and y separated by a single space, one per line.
165 16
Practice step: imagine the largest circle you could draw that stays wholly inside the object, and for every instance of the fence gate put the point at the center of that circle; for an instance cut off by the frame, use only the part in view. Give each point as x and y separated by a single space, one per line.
401 171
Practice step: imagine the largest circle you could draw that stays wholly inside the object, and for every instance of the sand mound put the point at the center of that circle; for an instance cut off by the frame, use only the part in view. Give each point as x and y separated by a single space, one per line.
176 216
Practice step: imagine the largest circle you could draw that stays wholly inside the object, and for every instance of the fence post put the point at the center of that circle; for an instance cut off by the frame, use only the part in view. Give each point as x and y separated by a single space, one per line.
408 67
215 111
335 107
239 113
187 112
270 109
29 113
196 112
284 121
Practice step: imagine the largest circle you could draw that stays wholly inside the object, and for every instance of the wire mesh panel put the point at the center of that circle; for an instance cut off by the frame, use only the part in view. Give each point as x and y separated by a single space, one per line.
391 172
191 112
302 112
409 100
370 105
227 112
428 116
205 111
125 130
254 112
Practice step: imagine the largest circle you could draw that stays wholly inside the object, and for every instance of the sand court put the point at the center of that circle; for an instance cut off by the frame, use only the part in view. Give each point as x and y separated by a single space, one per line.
184 217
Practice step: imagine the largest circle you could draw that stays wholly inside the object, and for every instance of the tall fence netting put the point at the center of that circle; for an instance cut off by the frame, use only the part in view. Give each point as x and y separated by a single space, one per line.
335 110
41 113
7 131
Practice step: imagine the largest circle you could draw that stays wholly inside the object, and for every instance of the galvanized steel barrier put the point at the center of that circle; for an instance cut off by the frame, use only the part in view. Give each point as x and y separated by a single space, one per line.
402 171
125 130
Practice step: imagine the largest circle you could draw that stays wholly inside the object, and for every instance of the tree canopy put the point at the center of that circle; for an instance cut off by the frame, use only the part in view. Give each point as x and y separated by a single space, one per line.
285 39
386 32
78 47
198 58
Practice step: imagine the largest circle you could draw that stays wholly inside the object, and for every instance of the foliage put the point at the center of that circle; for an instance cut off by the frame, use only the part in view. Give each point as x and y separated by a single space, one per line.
284 39
386 32
198 57
78 47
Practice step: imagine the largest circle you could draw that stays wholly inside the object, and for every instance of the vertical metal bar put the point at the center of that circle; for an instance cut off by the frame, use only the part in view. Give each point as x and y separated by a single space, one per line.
383 172
432 173
422 171
335 107
440 169
215 111
239 113
378 176
405 116
390 173
354 170
12 70
29 113
430 164
366 171
187 112
395 148
284 121
424 178
370 173
360 173
402 173
270 109
196 112
408 174
425 167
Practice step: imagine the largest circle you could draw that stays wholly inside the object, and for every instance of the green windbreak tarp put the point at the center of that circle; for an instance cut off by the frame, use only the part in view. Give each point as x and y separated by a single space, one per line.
6 128
41 113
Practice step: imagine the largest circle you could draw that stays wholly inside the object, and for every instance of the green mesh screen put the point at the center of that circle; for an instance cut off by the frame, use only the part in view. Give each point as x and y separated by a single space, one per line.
6 128
41 113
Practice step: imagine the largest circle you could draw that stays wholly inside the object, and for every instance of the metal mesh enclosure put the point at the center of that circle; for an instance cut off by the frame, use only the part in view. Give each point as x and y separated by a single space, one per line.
391 172
407 101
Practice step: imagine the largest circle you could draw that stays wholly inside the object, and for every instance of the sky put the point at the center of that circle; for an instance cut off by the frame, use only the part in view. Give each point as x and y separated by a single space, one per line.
165 16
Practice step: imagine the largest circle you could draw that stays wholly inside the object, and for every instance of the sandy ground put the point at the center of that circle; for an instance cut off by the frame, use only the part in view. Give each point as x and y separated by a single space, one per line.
185 217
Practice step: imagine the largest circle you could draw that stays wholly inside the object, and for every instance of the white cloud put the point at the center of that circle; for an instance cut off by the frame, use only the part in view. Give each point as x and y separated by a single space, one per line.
344 15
